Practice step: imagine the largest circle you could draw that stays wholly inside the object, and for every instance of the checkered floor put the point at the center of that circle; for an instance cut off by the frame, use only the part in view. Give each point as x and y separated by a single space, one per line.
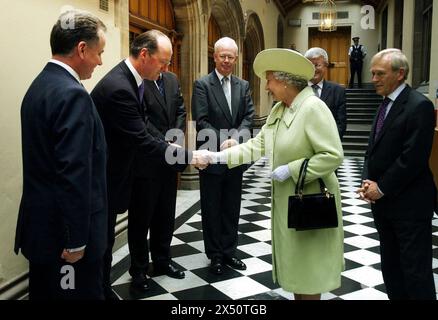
361 280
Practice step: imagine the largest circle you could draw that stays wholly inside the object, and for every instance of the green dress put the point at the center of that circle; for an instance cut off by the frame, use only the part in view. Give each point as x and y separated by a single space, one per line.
303 262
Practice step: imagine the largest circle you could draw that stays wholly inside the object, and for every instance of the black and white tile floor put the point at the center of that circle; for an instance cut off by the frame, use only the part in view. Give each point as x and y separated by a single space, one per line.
361 280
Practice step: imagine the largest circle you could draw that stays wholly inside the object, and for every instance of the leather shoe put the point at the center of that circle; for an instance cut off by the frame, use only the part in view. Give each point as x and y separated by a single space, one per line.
111 296
171 271
216 266
140 282
235 263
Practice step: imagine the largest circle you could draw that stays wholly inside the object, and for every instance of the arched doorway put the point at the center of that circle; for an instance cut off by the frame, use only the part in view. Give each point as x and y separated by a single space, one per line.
254 43
156 14
230 23
214 34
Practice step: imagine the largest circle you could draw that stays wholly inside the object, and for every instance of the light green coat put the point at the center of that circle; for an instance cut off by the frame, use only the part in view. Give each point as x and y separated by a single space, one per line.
304 262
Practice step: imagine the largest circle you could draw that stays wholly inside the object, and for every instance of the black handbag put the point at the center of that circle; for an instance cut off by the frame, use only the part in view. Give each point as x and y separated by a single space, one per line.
311 211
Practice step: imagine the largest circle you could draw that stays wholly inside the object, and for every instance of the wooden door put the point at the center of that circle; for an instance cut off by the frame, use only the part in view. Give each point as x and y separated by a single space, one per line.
336 43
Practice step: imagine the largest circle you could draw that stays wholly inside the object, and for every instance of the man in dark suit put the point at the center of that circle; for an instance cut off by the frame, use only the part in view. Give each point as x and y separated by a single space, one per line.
398 182
62 222
119 98
223 111
357 53
153 199
331 93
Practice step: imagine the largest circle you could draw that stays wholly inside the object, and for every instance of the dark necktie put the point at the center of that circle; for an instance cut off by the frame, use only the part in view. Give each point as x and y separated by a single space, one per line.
160 84
141 92
381 116
226 91
315 88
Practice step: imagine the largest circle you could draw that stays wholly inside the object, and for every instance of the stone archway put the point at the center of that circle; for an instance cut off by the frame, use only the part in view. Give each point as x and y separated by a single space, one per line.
229 16
254 43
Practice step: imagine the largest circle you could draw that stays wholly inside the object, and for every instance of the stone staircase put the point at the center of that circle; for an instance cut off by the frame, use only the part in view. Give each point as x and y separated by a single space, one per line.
361 109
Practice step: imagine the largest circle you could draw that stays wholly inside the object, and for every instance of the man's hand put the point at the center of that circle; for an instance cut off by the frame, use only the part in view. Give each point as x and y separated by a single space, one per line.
361 191
72 257
369 191
228 144
372 193
201 159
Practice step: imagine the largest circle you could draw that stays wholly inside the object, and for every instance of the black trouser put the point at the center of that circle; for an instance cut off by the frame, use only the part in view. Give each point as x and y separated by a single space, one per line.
220 210
60 280
406 258
356 67
152 208
108 256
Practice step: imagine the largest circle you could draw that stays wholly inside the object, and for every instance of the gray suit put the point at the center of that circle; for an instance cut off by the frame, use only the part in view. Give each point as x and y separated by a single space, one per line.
221 187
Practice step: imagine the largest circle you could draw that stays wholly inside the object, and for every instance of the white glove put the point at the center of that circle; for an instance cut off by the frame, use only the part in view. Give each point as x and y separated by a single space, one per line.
281 173
218 157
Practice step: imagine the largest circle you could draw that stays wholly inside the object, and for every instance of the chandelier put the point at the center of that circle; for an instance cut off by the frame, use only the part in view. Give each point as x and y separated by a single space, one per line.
327 16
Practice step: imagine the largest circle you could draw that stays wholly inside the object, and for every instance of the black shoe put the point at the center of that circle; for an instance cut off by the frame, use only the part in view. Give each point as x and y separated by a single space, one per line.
235 263
111 296
170 271
216 266
140 282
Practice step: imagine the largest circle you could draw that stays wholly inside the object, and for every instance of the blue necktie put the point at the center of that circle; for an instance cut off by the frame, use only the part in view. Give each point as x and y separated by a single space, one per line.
160 84
381 116
315 88
141 92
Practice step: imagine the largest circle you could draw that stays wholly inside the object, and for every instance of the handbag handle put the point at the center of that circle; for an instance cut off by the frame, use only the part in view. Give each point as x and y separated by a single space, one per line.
299 188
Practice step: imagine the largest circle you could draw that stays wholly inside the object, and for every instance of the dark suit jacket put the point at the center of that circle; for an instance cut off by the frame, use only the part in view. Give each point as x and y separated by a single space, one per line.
162 115
334 97
399 159
123 117
210 111
64 202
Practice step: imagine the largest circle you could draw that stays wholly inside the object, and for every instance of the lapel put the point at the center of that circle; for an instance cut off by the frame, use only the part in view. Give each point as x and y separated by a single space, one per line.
167 92
152 87
397 108
235 97
326 88
133 84
219 95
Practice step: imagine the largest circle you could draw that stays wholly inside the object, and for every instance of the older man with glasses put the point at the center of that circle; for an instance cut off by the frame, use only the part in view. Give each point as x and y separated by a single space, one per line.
223 111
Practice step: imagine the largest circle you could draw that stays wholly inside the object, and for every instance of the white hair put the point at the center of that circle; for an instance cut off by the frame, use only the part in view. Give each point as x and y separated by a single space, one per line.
227 43
316 52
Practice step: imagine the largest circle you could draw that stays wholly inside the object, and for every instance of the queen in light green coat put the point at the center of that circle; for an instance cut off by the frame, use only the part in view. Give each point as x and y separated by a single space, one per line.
300 126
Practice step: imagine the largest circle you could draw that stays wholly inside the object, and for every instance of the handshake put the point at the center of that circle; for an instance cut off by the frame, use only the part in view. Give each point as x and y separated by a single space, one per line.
203 158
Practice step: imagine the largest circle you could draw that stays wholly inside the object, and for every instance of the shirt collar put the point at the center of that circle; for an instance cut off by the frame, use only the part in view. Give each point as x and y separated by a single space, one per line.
66 67
220 76
138 78
397 92
319 84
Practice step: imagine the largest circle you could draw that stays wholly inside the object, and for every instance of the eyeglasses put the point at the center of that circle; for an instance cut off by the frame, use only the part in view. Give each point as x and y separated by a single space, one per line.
162 61
230 58
320 65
